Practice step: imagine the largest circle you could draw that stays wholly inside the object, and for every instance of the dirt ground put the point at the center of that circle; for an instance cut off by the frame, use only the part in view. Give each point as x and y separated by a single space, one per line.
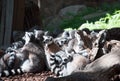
37 77
29 77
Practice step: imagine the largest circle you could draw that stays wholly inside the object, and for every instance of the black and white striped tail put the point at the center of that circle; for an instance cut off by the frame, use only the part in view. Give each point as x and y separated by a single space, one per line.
55 67
11 72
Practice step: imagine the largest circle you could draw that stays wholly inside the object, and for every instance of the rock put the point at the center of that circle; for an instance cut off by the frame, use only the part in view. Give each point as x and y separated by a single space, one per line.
95 14
52 7
65 13
70 11
55 22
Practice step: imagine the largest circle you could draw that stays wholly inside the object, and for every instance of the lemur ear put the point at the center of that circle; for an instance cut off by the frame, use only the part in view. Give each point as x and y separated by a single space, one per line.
51 38
44 37
77 35
46 33
26 32
65 34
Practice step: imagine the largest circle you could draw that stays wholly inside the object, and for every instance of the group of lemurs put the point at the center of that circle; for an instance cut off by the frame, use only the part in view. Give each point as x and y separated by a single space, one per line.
74 55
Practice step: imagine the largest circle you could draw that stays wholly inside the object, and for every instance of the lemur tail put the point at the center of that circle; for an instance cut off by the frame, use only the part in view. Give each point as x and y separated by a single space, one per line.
11 72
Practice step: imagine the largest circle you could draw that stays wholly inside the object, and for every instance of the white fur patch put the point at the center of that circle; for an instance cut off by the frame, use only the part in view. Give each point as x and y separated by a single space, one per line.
18 70
26 66
6 73
13 71
0 74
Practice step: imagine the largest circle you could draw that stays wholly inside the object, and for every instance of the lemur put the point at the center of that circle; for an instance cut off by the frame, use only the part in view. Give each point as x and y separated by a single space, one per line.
25 39
98 45
60 62
39 34
103 75
80 43
19 44
62 39
102 69
6 63
29 58
15 46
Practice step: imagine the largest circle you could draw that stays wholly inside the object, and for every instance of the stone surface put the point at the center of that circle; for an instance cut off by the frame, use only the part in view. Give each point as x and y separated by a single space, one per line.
70 11
95 14
65 13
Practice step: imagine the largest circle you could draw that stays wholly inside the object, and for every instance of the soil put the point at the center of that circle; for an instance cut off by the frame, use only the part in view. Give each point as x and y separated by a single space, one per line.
29 77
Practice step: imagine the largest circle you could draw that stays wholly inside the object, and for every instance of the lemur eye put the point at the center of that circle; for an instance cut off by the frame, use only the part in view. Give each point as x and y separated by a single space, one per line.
62 41
95 44
50 39
65 60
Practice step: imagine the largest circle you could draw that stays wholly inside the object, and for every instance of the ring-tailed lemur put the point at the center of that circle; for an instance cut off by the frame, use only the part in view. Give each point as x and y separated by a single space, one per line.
39 34
15 46
19 44
64 38
60 62
98 45
7 63
102 69
30 58
78 44
28 37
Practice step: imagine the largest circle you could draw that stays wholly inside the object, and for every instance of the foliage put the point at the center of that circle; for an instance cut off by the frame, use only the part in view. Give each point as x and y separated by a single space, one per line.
77 20
99 23
107 22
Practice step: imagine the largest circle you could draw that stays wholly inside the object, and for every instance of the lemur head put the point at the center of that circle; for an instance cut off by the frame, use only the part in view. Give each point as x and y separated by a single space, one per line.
65 34
39 34
28 37
47 40
60 41
100 39
69 34
61 58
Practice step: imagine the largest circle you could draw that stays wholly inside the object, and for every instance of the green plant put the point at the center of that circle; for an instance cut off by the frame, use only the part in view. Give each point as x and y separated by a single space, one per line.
110 21
104 21
78 20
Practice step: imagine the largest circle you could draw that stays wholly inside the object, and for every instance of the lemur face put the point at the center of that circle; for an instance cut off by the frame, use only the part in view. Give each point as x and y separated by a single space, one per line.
47 39
65 34
101 39
61 41
62 59
39 34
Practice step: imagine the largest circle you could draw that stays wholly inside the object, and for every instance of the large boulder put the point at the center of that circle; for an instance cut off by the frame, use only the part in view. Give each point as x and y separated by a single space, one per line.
70 11
65 13
52 7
